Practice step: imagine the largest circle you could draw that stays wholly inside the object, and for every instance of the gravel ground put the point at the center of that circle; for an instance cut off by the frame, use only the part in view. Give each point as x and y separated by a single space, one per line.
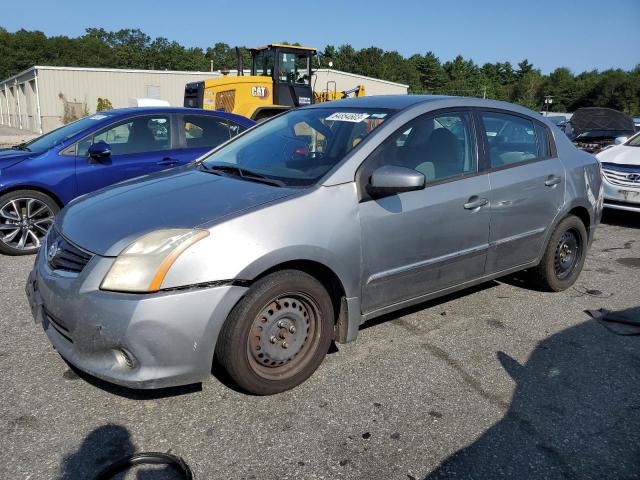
12 136
495 382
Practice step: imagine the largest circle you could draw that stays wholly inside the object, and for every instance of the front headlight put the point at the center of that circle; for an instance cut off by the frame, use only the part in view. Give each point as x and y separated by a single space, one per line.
142 266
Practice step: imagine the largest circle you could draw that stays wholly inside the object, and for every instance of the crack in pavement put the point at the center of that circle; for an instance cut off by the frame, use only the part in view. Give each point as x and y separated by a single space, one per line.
469 379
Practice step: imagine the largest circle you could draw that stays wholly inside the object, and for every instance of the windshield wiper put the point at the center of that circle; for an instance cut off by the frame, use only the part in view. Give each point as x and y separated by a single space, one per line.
21 146
242 173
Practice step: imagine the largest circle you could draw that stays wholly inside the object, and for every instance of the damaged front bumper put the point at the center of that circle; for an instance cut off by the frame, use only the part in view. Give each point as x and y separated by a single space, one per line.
134 340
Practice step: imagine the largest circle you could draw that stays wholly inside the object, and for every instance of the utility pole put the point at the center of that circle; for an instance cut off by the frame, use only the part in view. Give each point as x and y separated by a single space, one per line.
211 64
548 100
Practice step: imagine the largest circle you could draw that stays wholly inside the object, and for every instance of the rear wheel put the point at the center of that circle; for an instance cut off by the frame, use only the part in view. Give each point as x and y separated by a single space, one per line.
278 334
25 218
564 257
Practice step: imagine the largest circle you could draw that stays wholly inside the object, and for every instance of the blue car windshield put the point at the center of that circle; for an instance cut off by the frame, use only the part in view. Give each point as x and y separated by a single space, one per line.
58 136
299 147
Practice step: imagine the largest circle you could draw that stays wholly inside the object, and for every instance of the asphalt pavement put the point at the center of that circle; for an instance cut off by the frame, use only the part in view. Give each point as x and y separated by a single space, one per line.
499 381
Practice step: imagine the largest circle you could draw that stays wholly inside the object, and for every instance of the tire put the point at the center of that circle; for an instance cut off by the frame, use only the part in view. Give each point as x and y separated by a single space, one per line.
25 217
563 258
278 334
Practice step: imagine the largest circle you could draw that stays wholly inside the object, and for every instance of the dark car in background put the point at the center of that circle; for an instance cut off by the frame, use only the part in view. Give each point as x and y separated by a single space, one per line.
40 177
594 128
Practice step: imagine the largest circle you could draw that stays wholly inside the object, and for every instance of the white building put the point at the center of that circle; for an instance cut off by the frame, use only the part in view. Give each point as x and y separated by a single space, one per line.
42 98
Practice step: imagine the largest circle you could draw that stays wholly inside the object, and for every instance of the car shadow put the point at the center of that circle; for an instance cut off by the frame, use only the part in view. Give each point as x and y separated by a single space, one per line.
102 447
428 304
575 412
131 393
621 218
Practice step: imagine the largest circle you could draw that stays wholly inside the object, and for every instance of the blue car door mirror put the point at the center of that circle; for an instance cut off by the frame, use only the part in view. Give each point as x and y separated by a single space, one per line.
100 151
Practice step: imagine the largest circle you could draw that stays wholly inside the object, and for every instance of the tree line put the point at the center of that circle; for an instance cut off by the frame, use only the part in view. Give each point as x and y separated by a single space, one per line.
424 73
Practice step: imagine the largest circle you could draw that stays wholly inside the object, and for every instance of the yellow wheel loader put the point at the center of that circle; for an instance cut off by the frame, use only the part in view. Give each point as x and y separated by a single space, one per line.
280 80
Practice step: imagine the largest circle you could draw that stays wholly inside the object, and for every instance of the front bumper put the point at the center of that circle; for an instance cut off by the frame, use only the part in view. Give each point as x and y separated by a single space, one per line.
134 340
621 197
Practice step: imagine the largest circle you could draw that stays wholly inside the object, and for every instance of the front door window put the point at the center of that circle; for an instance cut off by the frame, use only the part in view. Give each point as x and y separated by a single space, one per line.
136 135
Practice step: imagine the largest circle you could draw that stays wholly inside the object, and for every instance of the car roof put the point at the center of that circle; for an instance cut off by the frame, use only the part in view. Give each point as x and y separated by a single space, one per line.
402 102
395 102
123 112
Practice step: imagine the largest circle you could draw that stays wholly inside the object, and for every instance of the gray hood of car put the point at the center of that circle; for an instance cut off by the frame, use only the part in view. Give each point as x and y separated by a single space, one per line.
107 221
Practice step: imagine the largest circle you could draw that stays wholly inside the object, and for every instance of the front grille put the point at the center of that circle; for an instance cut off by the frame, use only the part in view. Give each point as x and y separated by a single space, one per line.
622 179
64 255
226 100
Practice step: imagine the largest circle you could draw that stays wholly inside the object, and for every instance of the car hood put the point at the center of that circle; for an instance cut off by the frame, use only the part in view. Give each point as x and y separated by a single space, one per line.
620 154
9 156
107 221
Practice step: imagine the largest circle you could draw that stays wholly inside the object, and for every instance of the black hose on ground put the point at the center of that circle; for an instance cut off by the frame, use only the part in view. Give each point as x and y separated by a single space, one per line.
146 458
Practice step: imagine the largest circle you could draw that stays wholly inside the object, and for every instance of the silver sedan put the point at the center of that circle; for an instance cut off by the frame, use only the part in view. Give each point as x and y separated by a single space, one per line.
296 232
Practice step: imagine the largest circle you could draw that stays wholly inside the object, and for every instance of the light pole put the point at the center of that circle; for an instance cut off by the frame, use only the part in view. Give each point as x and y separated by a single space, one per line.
548 100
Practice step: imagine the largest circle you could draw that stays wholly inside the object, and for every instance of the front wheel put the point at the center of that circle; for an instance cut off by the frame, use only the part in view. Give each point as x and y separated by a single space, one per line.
564 256
25 218
278 334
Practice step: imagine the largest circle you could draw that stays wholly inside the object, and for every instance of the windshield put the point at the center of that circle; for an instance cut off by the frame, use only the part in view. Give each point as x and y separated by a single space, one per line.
56 137
299 147
263 63
634 141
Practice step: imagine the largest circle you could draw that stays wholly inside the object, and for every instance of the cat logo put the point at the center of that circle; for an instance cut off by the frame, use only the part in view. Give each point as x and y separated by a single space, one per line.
261 92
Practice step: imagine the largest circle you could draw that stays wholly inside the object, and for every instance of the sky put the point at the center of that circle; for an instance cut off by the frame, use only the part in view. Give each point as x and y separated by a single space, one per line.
578 34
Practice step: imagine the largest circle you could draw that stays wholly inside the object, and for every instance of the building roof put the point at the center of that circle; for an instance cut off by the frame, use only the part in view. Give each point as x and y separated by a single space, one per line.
97 69
356 75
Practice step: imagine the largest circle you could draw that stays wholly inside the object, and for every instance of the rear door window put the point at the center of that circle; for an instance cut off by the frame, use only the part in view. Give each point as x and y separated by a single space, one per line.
511 138
544 141
208 131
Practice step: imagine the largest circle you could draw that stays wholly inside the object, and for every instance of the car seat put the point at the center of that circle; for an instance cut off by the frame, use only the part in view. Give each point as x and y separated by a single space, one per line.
443 151
141 138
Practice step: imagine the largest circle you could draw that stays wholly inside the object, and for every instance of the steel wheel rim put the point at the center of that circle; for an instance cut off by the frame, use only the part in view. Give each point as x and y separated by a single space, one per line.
272 327
24 222
568 254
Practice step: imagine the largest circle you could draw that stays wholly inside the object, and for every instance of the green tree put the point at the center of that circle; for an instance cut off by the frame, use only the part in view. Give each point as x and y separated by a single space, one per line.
103 104
132 48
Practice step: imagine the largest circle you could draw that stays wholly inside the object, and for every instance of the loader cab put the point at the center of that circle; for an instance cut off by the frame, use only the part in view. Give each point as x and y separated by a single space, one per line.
289 67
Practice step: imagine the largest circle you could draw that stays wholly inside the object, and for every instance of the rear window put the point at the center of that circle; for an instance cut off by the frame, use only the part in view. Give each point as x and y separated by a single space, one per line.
511 139
207 131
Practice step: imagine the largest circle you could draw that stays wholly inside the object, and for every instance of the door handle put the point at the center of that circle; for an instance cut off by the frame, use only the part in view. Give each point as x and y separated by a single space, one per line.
167 161
475 202
552 180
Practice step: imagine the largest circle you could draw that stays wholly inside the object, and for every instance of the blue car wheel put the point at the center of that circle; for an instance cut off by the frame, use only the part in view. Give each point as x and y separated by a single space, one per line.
25 218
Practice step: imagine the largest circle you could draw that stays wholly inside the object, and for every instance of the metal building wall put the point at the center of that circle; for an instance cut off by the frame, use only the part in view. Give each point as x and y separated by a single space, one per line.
18 107
345 81
34 100
85 86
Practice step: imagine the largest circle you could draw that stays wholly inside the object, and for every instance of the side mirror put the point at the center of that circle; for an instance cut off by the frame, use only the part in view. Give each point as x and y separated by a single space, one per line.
391 179
100 151
620 140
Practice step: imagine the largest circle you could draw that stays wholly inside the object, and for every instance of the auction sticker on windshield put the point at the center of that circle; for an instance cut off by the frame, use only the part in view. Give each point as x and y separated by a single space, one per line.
348 117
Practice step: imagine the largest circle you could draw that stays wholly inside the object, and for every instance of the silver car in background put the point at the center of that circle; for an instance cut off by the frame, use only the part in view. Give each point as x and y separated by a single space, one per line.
296 232
621 175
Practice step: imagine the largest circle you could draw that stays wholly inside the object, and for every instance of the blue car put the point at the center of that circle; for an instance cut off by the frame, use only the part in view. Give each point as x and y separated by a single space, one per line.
40 177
